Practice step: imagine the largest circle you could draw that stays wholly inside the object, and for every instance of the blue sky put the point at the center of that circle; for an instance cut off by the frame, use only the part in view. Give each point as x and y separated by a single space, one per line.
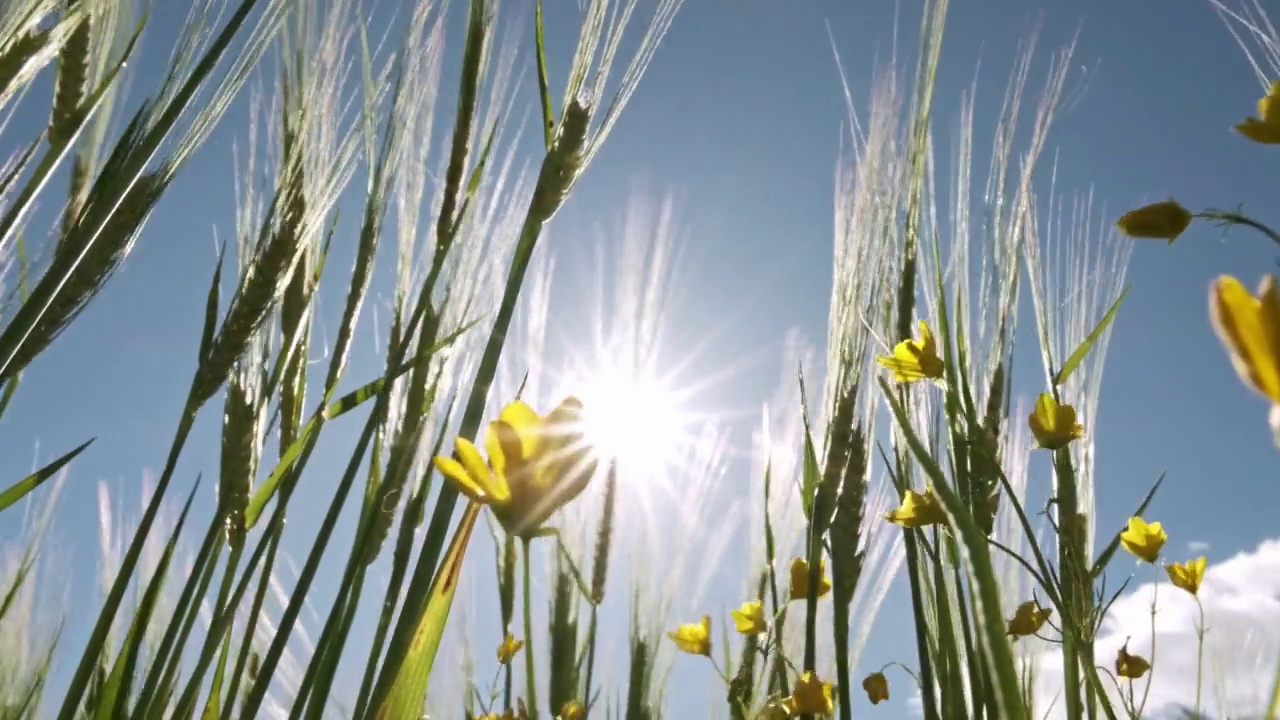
740 117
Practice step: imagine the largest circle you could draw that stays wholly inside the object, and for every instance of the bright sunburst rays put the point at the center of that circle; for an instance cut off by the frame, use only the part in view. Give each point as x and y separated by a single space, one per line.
634 418
641 404
600 329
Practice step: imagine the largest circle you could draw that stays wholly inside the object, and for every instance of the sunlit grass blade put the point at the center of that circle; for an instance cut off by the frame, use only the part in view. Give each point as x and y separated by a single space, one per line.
24 57
212 706
473 56
18 209
18 166
990 624
1078 355
165 663
336 409
473 185
409 522
113 702
212 298
222 620
72 76
544 88
19 490
403 698
284 627
30 701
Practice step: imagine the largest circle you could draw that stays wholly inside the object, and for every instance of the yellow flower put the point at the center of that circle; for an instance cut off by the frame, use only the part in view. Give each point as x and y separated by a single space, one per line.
1142 539
1130 666
1159 221
1028 619
1265 128
694 638
573 710
508 649
800 579
749 619
877 687
1054 426
1250 329
1187 575
914 359
508 715
536 465
918 510
810 695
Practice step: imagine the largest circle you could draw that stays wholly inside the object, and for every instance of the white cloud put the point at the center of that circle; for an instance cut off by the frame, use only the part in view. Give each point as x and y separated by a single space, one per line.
1197 546
1241 600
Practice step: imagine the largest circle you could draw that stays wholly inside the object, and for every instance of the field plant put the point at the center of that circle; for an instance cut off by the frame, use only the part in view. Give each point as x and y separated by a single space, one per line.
471 464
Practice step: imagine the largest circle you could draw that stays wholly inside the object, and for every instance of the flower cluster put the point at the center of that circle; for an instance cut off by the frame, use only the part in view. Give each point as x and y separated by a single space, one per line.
810 694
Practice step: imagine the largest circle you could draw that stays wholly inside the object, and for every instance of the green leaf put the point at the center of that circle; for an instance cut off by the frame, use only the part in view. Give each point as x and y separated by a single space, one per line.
20 489
1078 356
405 696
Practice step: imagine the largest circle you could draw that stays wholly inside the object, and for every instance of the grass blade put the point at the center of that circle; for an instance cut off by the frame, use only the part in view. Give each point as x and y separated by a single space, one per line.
403 700
114 699
20 489
1080 352
544 91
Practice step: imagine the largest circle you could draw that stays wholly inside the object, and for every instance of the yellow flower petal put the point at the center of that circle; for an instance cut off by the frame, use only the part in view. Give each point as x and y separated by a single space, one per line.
1165 220
1259 132
800 579
810 695
455 473
493 487
877 687
536 465
915 359
526 423
693 638
918 510
1130 666
1249 327
508 649
1188 575
1265 128
749 618
1143 539
1028 619
1054 426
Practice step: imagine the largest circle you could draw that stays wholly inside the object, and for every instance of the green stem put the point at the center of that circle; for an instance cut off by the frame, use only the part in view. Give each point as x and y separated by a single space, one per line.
1151 661
1232 218
530 680
1199 651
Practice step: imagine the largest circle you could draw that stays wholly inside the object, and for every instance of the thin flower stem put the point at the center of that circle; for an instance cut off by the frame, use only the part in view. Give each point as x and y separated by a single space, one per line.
1234 218
1199 650
719 671
530 679
1151 671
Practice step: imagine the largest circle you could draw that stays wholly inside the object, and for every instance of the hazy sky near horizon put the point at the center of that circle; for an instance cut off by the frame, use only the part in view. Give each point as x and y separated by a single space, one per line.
739 120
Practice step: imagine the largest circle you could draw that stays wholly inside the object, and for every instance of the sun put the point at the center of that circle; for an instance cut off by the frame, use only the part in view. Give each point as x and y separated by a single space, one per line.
633 419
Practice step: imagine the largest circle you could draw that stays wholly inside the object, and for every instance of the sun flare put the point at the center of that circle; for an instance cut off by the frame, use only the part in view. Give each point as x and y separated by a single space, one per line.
631 418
